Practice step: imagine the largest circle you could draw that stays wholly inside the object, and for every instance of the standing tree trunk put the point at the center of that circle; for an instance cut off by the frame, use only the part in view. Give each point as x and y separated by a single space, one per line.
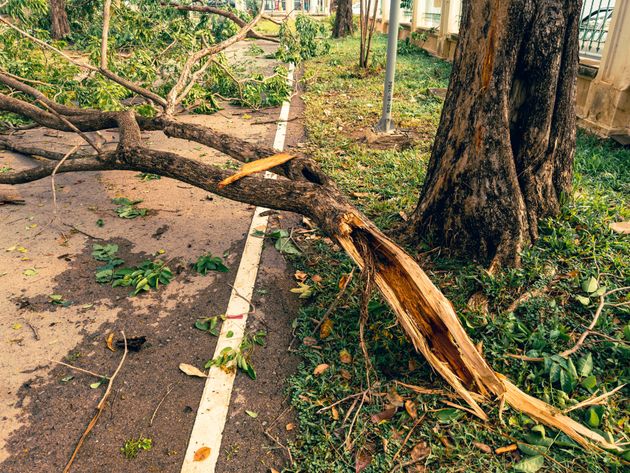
60 28
343 19
503 154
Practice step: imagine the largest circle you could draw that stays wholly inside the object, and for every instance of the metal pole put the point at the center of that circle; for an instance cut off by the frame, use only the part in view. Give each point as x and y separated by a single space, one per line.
386 124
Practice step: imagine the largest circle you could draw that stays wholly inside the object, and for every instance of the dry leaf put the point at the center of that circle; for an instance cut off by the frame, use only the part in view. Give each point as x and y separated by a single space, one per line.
362 461
507 448
290 426
326 329
190 370
620 227
319 369
383 415
335 413
309 341
202 454
300 275
359 194
110 341
345 357
394 398
317 279
411 409
343 280
345 374
412 365
273 470
483 447
420 451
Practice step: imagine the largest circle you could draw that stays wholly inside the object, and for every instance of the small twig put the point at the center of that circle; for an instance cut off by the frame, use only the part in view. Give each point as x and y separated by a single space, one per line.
347 442
598 313
52 176
87 139
91 373
593 400
99 409
169 388
252 306
335 303
524 357
82 232
280 444
416 423
35 333
351 396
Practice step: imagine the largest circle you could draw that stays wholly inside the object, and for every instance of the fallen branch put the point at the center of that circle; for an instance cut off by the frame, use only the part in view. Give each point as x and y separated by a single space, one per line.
424 313
99 409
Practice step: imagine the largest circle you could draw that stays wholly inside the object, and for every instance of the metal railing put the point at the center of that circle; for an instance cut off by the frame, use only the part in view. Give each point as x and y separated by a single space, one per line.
594 24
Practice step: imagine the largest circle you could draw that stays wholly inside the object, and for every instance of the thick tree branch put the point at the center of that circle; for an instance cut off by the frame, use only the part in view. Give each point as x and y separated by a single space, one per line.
427 317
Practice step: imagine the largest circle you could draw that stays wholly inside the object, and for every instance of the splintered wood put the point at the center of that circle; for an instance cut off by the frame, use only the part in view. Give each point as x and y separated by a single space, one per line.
257 166
431 323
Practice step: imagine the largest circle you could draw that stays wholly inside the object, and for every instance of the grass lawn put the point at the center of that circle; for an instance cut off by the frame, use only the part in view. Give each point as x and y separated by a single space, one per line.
576 246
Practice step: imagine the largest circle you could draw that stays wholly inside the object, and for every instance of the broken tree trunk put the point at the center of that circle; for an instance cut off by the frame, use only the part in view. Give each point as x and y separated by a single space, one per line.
424 313
503 154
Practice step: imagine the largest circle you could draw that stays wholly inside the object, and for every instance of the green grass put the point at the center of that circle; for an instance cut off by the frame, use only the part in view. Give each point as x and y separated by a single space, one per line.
573 247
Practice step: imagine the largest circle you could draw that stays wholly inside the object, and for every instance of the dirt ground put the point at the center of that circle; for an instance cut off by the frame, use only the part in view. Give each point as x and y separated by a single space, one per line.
44 407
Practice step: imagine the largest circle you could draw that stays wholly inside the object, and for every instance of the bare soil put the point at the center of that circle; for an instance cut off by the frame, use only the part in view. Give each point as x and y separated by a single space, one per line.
45 407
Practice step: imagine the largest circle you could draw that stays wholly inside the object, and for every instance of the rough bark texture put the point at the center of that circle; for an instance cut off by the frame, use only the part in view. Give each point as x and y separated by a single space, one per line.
503 154
343 19
425 314
59 26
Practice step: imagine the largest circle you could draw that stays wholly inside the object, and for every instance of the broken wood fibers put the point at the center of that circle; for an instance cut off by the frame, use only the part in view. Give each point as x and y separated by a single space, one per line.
431 323
256 166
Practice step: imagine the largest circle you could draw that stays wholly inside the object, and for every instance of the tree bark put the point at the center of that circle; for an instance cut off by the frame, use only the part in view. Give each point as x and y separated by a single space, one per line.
59 25
343 19
503 154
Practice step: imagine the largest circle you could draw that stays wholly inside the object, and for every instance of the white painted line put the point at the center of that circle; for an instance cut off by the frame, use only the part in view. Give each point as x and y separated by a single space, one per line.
215 400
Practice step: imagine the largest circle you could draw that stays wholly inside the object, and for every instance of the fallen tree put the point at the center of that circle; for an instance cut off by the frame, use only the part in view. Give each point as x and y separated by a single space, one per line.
424 313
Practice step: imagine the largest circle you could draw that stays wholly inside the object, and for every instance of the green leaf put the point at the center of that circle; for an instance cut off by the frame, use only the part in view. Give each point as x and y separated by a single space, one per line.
230 334
528 449
202 324
590 382
594 416
284 245
585 365
530 464
590 285
539 429
252 414
449 415
571 369
567 382
29 272
583 300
